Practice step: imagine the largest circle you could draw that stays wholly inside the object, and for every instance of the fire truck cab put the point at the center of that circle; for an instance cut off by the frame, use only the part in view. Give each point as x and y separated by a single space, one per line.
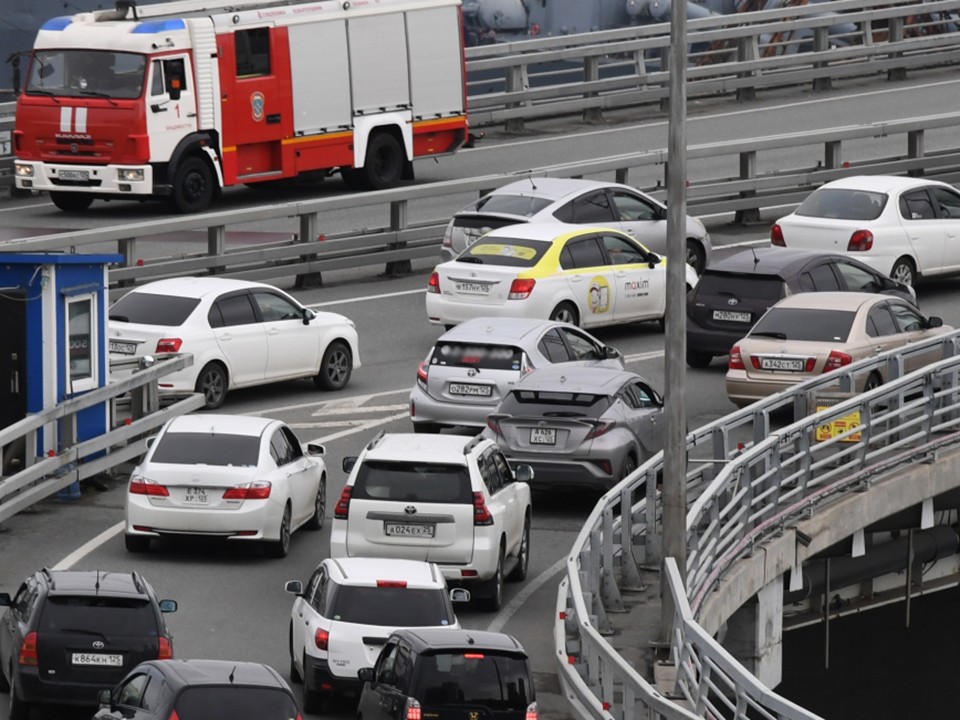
180 99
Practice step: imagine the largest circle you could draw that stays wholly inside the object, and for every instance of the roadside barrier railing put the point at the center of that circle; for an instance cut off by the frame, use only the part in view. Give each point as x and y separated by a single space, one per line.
749 483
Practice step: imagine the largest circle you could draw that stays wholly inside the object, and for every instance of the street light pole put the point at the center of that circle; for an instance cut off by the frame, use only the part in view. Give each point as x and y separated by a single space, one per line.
674 490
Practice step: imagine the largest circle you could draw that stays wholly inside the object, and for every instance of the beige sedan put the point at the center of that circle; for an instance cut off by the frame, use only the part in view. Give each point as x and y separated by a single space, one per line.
808 334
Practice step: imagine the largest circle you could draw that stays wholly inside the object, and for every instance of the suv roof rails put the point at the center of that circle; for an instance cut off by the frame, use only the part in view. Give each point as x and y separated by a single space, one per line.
376 440
470 446
49 576
137 581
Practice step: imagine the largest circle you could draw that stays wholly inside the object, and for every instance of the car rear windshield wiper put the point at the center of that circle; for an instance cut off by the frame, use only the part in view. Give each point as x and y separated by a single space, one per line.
770 334
471 259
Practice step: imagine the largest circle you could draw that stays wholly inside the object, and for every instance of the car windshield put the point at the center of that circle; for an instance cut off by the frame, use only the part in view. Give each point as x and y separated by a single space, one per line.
760 287
547 403
843 204
412 482
151 309
206 448
520 205
805 324
505 251
391 606
497 681
484 357
237 702
86 73
98 616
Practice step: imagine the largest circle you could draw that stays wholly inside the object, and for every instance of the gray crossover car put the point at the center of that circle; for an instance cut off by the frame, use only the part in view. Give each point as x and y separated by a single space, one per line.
473 365
579 427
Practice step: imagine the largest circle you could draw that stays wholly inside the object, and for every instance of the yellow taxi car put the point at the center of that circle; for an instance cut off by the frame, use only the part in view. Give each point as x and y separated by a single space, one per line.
586 276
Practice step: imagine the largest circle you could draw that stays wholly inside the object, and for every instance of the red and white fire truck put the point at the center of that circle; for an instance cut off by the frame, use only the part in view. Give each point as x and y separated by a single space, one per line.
180 99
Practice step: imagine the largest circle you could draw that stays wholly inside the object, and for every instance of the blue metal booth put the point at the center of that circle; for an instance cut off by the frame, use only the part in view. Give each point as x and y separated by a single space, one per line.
53 310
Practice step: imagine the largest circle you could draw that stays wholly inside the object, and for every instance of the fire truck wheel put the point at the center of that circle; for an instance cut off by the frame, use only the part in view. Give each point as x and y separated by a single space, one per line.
192 187
384 163
353 179
71 202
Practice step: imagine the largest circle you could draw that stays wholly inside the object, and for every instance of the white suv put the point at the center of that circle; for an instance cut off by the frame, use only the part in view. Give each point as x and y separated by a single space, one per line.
448 499
340 622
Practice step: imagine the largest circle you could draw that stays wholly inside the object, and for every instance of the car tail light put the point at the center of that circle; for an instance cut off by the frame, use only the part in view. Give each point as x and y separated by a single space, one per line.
604 466
173 716
166 649
392 583
169 345
600 427
809 365
481 515
473 656
413 710
521 288
532 712
28 650
493 422
423 371
776 236
860 241
259 490
448 237
736 359
321 638
142 486
835 360
342 509
433 284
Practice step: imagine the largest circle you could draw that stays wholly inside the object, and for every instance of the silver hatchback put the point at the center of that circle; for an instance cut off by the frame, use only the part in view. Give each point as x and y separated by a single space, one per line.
579 427
473 365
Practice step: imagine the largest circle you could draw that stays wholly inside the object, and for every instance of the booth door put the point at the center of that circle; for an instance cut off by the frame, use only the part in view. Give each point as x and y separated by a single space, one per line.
13 370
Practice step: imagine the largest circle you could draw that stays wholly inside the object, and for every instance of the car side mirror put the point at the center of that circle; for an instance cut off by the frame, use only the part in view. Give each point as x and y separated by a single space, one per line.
459 595
365 674
934 322
653 260
611 352
294 587
316 449
308 315
348 463
151 441
523 473
105 698
168 606
5 600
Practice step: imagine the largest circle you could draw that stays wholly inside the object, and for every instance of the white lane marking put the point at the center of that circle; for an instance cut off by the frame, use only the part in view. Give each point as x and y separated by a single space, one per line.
638 357
327 411
88 547
366 297
521 597
18 208
358 399
350 431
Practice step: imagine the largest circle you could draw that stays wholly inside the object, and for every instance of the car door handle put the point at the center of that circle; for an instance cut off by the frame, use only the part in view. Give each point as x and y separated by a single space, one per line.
878 349
576 278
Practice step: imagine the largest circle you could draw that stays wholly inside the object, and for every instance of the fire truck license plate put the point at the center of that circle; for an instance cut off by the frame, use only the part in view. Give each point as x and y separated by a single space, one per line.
74 175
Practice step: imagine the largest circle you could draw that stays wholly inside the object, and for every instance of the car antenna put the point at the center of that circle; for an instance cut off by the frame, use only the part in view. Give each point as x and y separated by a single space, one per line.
97 586
533 185
756 260
231 674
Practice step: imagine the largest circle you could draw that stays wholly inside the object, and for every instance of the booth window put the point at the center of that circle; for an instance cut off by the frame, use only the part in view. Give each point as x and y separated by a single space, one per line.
81 343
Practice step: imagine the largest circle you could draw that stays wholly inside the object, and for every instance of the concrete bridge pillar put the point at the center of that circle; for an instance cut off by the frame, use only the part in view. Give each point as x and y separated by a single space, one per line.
754 634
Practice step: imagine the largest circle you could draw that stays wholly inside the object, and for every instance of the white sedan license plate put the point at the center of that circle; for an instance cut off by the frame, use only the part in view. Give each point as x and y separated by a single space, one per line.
731 316
470 389
97 659
195 496
781 364
473 288
543 436
409 530
123 348
74 175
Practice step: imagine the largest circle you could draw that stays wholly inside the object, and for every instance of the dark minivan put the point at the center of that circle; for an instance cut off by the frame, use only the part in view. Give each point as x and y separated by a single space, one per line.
67 634
454 674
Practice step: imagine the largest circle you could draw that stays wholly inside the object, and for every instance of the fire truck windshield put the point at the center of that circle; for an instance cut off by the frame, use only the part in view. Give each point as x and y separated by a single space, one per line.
86 73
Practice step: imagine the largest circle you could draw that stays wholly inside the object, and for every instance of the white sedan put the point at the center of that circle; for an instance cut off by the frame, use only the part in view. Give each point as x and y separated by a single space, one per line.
586 276
240 334
229 476
901 226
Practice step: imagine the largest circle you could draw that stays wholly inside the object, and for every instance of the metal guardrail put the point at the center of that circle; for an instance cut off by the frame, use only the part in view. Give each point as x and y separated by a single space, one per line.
762 486
43 475
738 186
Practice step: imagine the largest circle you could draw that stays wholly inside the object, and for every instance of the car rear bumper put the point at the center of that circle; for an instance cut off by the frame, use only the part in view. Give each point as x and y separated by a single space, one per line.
430 410
715 342
320 678
32 689
261 521
441 311
549 474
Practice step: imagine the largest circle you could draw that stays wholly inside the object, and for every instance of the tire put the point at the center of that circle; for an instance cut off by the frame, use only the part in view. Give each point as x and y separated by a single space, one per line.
696 257
319 507
494 588
697 359
353 179
904 271
629 465
192 186
295 677
4 684
566 312
383 165
312 700
419 427
519 572
279 548
873 381
662 322
19 710
71 202
136 543
336 365
212 383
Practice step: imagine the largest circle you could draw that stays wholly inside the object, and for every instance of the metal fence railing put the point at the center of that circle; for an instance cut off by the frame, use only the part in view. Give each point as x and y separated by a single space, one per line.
762 487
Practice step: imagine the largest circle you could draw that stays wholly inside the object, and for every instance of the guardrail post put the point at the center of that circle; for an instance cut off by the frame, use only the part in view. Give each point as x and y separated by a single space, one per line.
398 222
895 35
821 44
915 149
127 248
591 73
831 155
216 244
748 171
747 50
516 82
308 233
640 62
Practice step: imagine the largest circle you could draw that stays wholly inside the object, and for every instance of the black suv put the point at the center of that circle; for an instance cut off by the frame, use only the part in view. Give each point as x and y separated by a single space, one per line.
199 690
454 674
69 634
734 292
